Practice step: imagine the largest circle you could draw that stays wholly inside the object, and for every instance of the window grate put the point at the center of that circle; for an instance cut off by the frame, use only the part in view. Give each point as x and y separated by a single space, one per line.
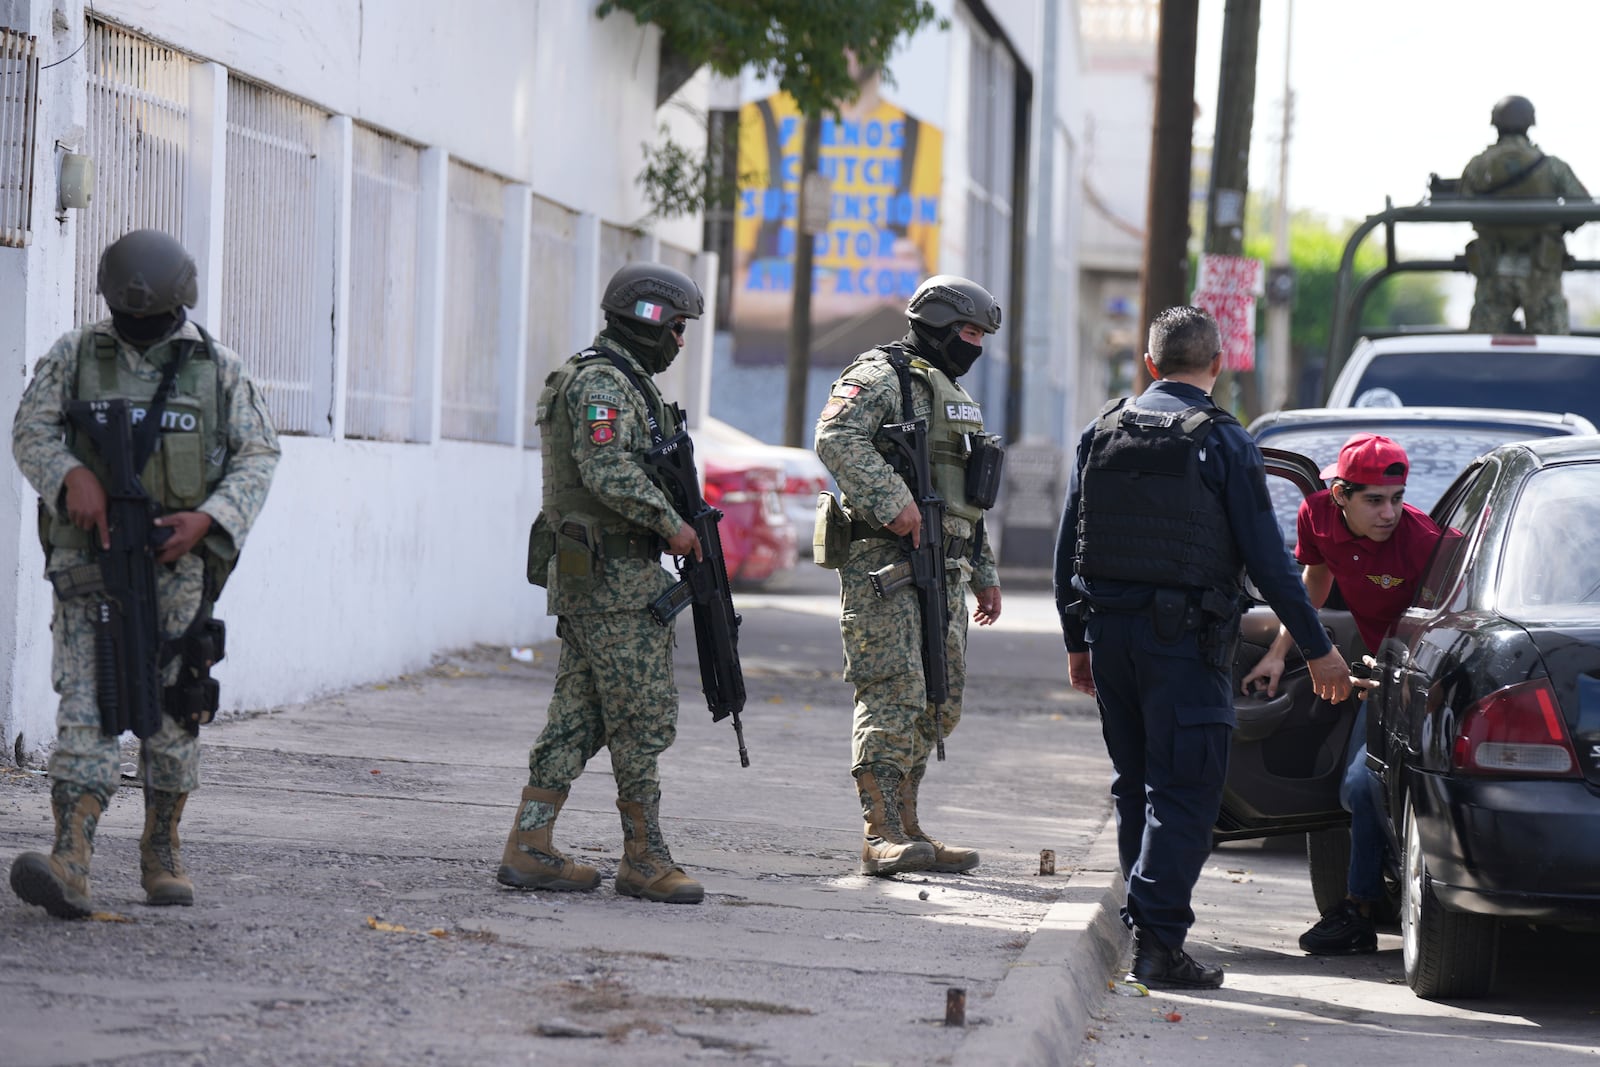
271 248
19 103
137 130
552 273
475 241
385 227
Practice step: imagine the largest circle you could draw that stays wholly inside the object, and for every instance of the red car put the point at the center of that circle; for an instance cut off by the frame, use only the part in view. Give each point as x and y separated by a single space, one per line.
758 542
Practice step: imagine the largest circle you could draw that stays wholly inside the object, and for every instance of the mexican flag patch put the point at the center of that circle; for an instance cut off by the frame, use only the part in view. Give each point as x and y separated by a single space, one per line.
648 311
600 413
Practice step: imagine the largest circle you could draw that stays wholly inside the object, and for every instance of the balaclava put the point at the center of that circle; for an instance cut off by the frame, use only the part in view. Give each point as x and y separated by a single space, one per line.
654 346
944 347
142 331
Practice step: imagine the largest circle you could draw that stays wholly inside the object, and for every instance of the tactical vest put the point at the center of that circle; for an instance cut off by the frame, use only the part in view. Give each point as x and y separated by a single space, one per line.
954 415
1144 513
564 491
1517 169
192 450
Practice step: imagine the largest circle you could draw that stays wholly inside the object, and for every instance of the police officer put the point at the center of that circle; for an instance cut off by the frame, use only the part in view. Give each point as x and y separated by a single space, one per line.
1165 505
608 523
1518 266
895 728
210 475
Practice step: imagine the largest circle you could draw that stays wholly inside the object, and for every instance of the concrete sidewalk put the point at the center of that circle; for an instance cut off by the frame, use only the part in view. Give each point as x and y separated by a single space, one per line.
344 853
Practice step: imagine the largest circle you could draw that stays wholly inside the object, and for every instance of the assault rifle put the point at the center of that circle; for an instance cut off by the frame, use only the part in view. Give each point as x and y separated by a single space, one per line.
126 620
704 584
923 566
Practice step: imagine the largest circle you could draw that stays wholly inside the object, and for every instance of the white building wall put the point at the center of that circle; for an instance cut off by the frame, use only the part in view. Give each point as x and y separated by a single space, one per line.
369 556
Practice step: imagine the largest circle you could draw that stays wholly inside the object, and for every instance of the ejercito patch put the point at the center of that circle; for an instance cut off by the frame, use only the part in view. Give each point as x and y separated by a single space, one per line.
963 412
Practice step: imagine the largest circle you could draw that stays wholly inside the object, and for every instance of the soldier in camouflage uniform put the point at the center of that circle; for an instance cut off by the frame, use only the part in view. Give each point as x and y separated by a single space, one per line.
1518 266
895 728
603 526
210 475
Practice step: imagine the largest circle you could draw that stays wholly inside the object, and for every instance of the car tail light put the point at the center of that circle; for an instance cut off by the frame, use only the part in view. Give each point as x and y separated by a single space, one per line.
1516 340
798 485
1517 730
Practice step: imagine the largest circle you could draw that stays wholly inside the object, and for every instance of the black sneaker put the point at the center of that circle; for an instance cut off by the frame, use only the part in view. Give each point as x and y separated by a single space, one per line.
1159 967
1343 931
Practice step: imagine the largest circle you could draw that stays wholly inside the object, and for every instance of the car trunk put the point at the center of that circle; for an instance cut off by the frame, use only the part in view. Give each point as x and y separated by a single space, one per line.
1572 656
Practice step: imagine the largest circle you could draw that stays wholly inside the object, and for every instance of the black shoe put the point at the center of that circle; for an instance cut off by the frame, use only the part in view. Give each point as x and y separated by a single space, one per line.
1344 931
1160 967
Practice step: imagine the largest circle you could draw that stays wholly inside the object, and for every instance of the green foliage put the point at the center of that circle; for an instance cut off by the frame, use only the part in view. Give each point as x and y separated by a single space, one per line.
805 44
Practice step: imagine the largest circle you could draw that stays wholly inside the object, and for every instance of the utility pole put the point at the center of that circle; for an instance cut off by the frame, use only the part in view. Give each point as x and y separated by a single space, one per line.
1280 284
1230 152
806 229
1164 279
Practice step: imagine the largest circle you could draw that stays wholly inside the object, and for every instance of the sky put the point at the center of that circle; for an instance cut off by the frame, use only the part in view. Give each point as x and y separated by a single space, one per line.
1386 91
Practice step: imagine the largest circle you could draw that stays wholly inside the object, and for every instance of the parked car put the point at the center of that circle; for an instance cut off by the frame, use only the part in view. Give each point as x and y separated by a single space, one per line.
758 543
1287 758
1487 727
801 474
1522 371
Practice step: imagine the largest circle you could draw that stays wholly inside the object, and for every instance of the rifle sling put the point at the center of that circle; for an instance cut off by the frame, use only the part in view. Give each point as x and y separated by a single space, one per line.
1515 177
146 433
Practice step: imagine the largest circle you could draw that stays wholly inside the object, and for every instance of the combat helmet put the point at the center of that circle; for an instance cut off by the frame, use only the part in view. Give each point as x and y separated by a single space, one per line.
653 293
946 298
1512 114
147 272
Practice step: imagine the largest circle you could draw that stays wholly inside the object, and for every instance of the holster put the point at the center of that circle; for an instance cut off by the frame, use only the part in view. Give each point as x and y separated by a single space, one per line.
830 536
985 467
193 701
1219 629
541 549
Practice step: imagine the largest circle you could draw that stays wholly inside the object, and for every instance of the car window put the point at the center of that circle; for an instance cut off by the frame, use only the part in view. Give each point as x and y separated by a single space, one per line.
1520 379
1461 522
1551 565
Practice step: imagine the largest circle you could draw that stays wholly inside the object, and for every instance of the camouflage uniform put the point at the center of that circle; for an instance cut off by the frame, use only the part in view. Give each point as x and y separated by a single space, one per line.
883 637
83 755
1518 266
614 684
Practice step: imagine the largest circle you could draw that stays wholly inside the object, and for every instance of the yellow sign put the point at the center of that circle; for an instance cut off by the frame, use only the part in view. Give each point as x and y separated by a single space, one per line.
882 238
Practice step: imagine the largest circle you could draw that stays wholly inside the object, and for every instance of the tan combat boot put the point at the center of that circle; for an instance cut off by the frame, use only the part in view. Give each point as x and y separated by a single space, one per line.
885 848
947 859
531 859
59 882
647 870
160 865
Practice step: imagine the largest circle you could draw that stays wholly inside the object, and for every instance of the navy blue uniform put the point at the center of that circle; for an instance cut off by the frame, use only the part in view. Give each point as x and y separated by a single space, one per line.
1166 714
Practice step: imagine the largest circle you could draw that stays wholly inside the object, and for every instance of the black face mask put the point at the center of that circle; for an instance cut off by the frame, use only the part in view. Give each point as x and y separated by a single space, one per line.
655 347
944 348
142 331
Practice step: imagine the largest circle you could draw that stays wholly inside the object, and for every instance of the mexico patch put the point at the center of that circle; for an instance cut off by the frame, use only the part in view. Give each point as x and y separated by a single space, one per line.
648 311
846 390
600 413
609 400
601 433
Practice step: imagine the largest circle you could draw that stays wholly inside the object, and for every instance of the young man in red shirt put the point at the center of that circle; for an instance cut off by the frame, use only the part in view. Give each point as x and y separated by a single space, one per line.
1360 534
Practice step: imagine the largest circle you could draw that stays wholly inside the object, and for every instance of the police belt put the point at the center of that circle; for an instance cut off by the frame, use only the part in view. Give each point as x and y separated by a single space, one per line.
641 545
954 547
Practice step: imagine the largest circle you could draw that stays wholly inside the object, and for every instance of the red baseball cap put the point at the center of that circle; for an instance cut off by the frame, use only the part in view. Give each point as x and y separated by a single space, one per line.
1369 459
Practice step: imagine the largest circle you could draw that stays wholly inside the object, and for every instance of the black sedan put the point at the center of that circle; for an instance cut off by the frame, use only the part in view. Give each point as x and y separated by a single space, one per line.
1288 752
1487 727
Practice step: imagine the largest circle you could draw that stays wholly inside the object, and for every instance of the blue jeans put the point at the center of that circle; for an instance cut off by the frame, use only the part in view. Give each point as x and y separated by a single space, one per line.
1359 795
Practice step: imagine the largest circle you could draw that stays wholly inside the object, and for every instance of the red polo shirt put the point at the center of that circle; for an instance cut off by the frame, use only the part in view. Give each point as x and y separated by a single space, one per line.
1378 579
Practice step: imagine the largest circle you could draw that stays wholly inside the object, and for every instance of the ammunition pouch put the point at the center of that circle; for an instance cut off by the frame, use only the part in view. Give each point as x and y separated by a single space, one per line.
541 549
985 465
1480 258
1550 253
193 701
830 536
1173 613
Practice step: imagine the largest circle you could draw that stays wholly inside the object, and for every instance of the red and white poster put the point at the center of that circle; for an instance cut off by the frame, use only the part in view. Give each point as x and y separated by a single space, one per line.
1227 288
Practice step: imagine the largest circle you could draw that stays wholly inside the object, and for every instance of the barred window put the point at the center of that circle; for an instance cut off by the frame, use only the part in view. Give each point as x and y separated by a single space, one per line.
19 102
385 226
137 130
271 249
475 249
552 269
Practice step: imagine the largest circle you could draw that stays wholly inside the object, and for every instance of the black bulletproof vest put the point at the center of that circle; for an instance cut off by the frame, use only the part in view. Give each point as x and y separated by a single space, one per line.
1144 513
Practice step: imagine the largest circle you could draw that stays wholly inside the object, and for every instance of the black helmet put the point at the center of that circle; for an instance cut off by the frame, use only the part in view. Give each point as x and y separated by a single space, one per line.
945 298
147 272
1512 114
653 293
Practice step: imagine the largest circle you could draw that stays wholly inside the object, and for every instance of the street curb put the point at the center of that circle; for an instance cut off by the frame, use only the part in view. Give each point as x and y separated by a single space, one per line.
1040 1010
